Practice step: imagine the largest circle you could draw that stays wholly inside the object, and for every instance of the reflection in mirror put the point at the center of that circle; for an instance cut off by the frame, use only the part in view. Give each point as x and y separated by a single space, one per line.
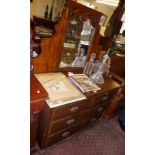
76 42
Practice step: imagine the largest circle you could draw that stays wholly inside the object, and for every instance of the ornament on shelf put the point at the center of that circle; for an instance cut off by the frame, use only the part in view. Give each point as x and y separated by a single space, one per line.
46 12
51 13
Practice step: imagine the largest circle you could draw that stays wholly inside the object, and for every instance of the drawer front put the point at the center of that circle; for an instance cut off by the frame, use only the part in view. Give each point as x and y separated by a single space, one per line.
92 119
70 109
104 99
52 139
68 121
85 118
100 100
63 134
97 110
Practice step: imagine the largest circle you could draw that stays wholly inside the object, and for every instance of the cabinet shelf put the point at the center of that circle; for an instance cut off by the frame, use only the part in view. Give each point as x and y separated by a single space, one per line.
39 21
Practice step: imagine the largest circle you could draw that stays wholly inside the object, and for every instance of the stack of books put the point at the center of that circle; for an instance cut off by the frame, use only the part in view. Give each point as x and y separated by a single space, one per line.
43 31
83 82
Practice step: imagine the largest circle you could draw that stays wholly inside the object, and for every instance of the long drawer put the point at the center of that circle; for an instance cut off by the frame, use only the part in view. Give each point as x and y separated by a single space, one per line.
70 109
72 119
83 119
97 110
68 121
92 119
52 139
100 100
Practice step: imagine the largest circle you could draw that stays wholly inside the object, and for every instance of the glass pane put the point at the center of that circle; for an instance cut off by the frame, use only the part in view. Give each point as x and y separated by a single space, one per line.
76 42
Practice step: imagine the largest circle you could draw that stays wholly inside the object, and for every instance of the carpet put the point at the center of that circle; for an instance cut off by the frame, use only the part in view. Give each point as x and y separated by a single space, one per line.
101 138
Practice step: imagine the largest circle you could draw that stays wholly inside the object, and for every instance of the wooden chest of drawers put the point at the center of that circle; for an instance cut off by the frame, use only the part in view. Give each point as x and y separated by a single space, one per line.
63 121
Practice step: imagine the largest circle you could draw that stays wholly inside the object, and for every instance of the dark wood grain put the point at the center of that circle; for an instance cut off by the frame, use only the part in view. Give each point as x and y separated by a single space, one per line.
37 97
37 92
115 107
47 60
118 65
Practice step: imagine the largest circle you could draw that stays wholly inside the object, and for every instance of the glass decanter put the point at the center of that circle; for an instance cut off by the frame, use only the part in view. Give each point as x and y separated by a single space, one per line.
97 77
89 65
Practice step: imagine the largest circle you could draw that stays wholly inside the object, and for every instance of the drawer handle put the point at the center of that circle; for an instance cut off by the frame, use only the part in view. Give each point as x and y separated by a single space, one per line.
74 109
93 119
99 109
65 134
70 122
105 98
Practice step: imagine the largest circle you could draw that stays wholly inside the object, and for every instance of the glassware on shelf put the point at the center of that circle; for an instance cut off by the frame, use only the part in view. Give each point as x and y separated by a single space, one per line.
89 65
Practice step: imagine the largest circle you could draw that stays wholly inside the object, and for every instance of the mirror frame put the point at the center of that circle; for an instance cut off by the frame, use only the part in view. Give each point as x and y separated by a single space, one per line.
87 12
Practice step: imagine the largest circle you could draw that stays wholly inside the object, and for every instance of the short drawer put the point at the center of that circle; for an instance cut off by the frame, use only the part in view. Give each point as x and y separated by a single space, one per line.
100 100
52 139
95 114
68 121
104 99
70 109
97 110
92 119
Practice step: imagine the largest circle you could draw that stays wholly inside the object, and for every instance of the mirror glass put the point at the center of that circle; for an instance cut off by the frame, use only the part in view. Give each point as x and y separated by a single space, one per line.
76 42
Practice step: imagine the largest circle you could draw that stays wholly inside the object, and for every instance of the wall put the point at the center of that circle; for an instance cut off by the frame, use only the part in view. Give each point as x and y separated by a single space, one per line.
37 7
